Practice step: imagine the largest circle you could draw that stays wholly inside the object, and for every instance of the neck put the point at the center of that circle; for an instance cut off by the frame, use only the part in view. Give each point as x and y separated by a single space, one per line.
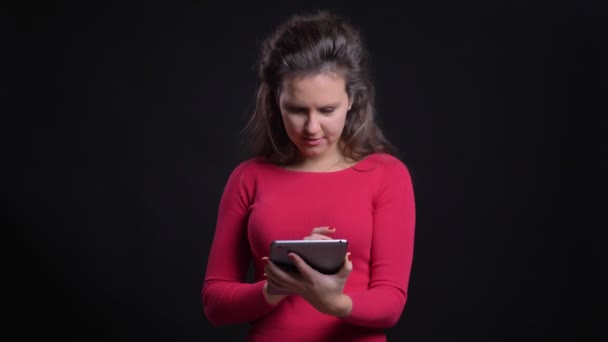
334 162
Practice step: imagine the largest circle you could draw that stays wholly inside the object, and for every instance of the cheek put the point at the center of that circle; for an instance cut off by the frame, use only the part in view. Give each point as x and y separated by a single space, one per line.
291 125
337 125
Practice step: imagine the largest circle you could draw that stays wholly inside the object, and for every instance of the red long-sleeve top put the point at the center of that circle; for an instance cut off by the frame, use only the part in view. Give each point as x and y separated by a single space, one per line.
371 204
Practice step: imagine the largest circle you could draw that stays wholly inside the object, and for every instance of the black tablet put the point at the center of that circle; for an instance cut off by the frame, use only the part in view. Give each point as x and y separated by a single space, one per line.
325 256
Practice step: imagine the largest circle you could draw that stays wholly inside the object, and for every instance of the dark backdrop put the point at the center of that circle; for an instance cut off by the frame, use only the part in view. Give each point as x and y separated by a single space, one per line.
127 124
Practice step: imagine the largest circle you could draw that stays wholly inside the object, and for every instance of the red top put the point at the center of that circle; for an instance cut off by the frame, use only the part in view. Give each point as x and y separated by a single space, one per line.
371 204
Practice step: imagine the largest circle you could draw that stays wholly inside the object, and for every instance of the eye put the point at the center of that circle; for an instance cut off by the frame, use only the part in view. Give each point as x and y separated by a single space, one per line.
327 110
296 110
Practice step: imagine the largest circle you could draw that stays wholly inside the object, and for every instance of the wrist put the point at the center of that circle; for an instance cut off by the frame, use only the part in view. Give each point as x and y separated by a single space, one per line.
341 306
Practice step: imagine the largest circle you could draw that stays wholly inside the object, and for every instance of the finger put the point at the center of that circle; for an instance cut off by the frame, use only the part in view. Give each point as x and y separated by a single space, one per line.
272 274
271 267
323 230
317 237
281 279
305 270
273 271
276 287
275 281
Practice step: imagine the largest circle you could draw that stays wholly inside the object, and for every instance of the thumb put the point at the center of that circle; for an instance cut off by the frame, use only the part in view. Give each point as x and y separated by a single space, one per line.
348 265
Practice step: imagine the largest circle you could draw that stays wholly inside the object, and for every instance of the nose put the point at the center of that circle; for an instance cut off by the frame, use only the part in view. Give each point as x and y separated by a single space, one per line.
312 124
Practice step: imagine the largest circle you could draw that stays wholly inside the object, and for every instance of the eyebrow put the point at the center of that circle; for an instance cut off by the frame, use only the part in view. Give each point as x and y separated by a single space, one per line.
296 106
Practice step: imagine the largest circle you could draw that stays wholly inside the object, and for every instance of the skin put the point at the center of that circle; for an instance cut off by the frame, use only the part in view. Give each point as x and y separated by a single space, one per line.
323 292
314 109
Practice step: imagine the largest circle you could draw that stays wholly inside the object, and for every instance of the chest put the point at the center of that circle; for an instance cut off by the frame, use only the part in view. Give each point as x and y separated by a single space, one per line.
285 210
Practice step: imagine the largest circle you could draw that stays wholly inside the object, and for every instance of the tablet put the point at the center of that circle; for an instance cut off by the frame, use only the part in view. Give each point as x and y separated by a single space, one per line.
325 256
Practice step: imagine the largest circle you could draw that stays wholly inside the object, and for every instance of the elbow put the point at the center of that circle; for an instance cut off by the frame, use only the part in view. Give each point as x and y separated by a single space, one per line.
391 318
212 310
212 315
393 315
213 318
391 321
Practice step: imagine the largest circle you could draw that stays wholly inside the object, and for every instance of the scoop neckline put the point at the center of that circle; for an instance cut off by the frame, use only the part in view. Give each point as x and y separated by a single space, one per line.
346 169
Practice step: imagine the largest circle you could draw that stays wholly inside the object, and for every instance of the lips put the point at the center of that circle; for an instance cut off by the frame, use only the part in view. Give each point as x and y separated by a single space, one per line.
312 142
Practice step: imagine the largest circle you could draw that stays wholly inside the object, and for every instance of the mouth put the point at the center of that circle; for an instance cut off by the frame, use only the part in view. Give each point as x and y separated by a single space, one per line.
312 142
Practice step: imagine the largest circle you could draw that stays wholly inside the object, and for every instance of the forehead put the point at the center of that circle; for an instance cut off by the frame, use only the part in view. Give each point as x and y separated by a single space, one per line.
313 88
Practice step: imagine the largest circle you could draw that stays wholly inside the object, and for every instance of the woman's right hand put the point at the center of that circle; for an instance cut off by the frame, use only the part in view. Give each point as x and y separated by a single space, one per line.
320 233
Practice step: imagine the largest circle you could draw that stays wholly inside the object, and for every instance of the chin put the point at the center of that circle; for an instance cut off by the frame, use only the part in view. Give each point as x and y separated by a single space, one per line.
311 154
306 151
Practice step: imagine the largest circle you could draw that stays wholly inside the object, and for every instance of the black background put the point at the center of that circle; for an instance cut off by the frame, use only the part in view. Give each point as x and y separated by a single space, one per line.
126 124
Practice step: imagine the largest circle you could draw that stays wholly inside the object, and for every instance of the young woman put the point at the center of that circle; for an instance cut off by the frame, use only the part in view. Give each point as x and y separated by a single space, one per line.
321 169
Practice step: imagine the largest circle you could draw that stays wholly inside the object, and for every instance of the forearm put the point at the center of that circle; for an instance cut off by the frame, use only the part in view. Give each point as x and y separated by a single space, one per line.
232 303
379 307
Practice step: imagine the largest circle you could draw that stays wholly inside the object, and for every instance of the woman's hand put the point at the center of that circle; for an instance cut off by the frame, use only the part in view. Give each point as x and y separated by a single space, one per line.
322 291
320 233
272 299
316 234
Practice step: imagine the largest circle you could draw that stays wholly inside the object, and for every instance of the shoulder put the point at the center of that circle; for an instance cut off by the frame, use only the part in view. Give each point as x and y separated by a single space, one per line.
385 159
383 163
250 168
393 179
390 172
243 178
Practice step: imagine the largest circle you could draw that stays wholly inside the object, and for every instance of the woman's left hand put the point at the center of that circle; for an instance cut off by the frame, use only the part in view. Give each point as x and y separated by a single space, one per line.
322 291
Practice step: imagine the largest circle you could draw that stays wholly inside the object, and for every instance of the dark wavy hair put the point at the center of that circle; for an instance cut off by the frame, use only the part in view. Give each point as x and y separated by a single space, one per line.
308 45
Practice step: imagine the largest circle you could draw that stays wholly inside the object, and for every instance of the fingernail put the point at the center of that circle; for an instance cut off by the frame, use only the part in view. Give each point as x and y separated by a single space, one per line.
348 257
265 261
291 256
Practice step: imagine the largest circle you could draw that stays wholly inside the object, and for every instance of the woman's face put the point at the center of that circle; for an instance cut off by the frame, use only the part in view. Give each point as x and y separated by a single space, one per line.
314 110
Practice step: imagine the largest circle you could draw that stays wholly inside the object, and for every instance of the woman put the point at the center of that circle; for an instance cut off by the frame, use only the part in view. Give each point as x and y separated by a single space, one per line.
322 169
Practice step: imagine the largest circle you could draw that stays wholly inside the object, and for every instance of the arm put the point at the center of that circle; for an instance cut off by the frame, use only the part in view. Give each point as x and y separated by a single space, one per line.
226 298
391 253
